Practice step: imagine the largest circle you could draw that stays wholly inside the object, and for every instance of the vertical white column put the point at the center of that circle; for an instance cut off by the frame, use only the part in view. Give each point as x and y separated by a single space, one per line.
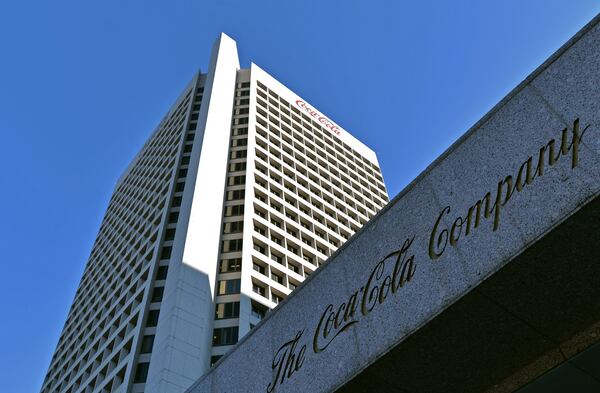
182 344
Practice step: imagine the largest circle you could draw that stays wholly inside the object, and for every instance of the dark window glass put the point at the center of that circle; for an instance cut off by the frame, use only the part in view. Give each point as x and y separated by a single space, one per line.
230 265
231 245
240 131
238 166
170 234
258 310
179 187
258 289
162 272
236 210
242 141
176 201
227 310
173 217
152 318
225 336
147 343
238 154
236 180
228 287
214 359
157 294
141 372
233 227
166 252
236 195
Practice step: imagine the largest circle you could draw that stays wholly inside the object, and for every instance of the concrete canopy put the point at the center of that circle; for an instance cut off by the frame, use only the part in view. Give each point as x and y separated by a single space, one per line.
480 276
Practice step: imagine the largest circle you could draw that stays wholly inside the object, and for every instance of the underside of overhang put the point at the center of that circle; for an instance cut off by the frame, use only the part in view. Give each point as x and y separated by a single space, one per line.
538 315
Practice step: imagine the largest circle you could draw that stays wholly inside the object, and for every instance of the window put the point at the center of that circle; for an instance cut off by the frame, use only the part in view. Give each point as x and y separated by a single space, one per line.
240 131
230 265
233 227
157 294
295 268
166 252
227 310
152 320
176 201
242 141
236 210
173 217
141 372
170 234
277 278
147 344
260 229
235 195
238 154
179 187
258 310
238 166
258 289
277 258
231 245
259 268
161 274
276 298
228 287
260 249
225 336
236 180
214 359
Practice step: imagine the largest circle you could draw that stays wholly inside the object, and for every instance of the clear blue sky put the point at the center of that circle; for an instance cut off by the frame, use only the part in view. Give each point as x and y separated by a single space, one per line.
82 85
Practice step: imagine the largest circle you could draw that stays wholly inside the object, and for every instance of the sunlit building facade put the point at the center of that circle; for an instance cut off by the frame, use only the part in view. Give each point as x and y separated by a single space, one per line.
242 192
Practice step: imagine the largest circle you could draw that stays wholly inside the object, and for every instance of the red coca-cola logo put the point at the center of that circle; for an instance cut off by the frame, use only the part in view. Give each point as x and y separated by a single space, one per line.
319 117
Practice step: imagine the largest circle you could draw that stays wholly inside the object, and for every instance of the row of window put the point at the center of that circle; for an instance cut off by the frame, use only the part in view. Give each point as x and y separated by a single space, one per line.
132 202
318 131
156 297
232 227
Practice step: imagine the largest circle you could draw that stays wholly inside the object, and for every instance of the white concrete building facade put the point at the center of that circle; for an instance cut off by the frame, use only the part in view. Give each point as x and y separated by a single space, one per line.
243 190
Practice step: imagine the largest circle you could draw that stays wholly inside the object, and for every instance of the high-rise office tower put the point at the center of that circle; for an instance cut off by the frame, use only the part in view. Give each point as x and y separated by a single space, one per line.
243 190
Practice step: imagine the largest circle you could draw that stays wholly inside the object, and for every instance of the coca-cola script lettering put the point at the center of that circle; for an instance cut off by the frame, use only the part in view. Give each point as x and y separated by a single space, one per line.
319 117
